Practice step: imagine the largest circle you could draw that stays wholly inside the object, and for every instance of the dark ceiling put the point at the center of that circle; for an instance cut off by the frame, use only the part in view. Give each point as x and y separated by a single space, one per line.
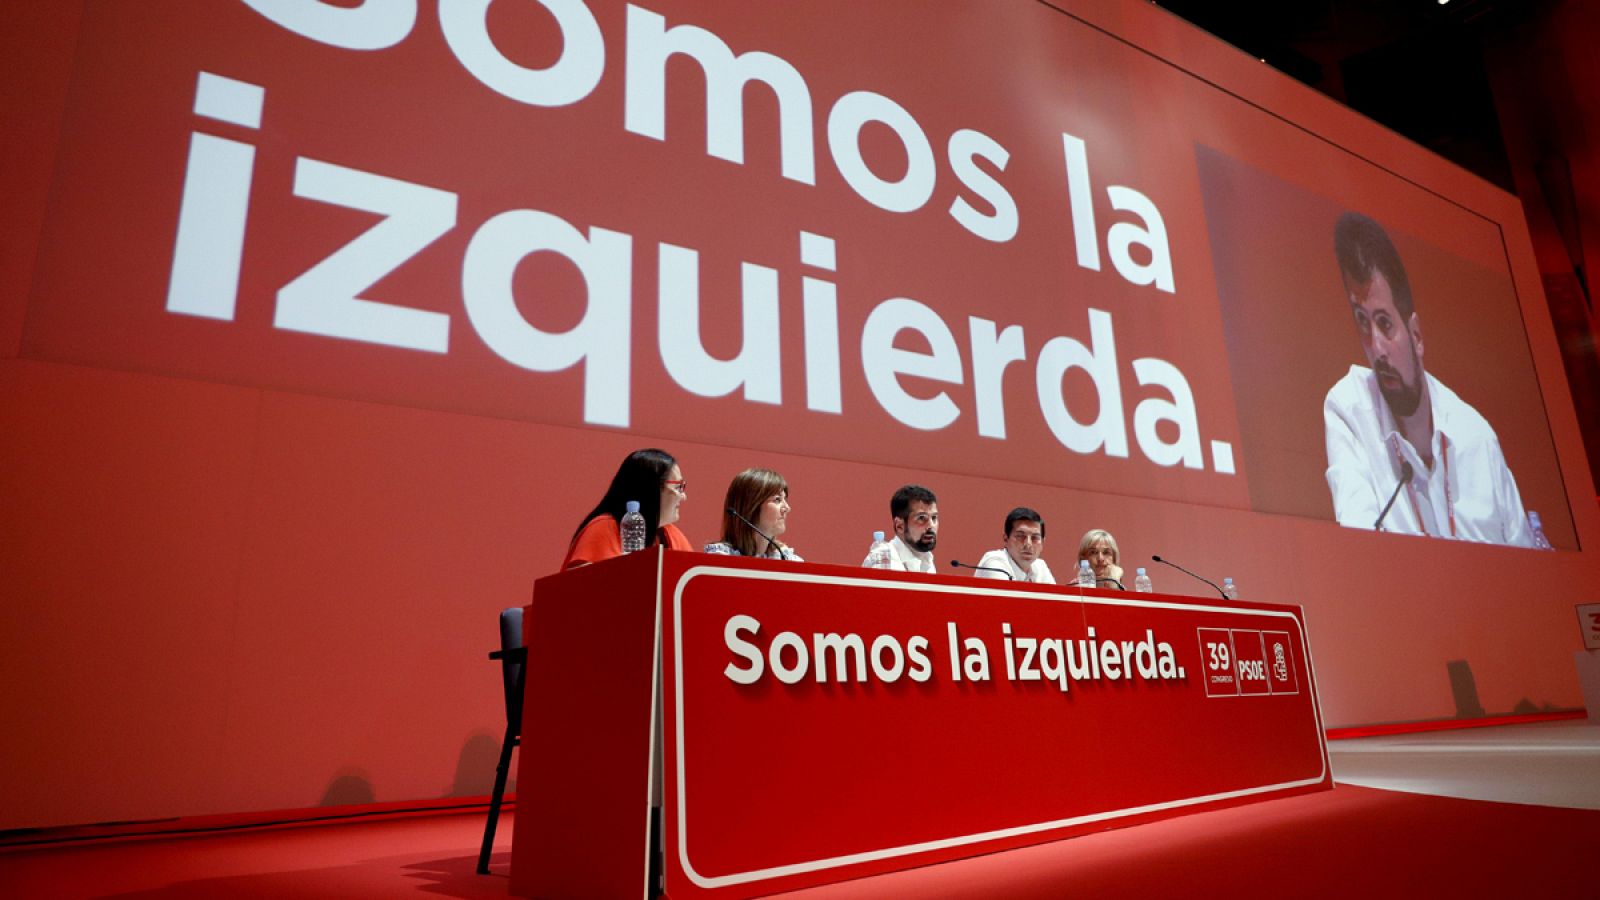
1415 66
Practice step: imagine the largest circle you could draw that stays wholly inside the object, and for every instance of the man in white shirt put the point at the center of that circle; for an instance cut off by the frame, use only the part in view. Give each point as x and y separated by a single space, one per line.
1020 555
1382 419
915 511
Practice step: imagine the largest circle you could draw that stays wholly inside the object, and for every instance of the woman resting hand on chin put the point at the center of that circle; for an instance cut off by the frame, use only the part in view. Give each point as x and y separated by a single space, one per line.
1100 549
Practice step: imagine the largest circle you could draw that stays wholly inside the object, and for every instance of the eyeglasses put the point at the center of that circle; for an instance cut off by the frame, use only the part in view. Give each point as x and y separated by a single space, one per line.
681 486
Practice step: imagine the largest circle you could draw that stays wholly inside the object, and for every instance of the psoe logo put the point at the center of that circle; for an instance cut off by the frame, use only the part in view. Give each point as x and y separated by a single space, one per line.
1280 665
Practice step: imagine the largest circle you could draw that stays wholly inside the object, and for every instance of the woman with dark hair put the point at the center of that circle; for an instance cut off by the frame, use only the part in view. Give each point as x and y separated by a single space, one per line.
762 496
651 477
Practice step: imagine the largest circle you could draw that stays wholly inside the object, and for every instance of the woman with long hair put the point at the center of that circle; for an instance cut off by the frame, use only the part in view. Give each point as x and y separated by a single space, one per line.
761 496
651 477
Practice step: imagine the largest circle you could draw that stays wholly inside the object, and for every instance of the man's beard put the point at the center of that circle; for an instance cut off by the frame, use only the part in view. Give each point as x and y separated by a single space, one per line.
1403 400
925 544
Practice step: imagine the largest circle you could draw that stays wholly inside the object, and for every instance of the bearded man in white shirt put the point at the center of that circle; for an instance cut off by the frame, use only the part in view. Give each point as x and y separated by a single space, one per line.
1381 420
915 512
1020 556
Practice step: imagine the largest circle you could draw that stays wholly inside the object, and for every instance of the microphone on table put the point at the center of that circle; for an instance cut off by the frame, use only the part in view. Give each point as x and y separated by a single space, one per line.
1191 575
1101 578
1405 478
770 542
961 565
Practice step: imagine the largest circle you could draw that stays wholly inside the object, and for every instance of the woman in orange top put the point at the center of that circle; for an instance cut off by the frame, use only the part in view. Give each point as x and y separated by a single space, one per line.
651 477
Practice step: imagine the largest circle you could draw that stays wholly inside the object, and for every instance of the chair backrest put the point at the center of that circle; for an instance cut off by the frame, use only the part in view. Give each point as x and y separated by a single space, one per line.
511 665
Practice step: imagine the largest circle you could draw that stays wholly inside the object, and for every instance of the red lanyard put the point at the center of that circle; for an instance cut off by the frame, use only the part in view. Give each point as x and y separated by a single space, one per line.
1449 498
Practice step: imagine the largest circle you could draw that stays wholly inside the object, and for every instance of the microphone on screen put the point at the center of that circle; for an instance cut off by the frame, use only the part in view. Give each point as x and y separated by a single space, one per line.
1191 575
1405 478
961 565
770 542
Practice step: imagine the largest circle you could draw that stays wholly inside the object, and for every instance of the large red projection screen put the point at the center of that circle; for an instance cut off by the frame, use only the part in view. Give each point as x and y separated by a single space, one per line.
341 315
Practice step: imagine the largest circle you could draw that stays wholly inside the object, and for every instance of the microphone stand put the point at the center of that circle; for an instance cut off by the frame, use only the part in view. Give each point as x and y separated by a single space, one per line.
770 542
1099 579
1405 478
1192 575
961 565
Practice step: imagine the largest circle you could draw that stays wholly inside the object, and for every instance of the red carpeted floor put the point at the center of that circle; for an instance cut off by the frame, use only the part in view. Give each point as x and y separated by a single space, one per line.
1349 842
417 855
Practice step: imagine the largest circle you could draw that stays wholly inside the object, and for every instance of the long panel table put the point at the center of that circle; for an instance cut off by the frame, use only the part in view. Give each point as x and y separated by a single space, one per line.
798 724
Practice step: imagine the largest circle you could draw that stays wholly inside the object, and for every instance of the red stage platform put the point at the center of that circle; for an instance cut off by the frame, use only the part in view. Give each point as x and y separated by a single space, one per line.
1341 843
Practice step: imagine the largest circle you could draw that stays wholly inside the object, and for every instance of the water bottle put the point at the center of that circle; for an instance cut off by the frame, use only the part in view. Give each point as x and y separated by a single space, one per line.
1085 574
1141 583
880 555
1539 540
632 529
1228 590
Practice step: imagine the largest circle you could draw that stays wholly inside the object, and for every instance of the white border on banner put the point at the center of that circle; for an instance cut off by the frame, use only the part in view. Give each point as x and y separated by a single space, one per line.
943 843
657 754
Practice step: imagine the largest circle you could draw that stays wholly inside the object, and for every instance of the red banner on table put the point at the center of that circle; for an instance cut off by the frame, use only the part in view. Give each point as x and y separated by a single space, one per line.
825 723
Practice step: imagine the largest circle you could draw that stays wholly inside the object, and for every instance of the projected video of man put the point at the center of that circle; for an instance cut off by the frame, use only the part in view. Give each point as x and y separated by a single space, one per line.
1394 431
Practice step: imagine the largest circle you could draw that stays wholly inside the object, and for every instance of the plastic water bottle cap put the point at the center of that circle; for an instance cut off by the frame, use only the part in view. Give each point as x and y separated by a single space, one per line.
1140 570
877 537
633 506
1227 581
1083 564
1533 517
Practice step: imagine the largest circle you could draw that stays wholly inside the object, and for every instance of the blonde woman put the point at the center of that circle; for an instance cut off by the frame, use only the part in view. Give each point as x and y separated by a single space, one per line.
1100 549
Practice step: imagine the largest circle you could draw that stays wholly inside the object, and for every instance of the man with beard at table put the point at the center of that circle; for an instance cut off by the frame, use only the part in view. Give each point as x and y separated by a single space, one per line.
915 511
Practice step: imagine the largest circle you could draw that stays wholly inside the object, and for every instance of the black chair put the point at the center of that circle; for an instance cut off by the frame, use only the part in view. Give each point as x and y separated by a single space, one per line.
513 659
